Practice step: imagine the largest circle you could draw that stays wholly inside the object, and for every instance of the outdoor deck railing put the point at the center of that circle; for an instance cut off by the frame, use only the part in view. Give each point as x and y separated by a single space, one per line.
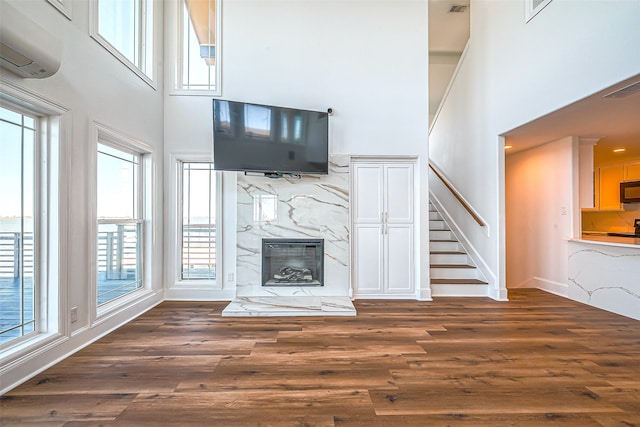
116 252
10 247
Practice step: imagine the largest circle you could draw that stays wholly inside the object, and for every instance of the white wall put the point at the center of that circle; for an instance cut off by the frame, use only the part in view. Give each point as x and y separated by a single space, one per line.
94 87
539 198
514 72
366 60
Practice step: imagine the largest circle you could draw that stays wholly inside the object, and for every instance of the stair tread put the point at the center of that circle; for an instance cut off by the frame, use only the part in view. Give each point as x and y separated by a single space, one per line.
448 252
457 282
448 241
452 266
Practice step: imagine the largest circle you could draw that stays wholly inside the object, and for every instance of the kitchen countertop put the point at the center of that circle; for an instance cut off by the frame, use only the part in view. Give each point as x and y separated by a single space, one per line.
601 237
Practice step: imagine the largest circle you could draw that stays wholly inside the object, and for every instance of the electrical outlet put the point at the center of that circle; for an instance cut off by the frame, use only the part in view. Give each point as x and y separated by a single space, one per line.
231 277
74 314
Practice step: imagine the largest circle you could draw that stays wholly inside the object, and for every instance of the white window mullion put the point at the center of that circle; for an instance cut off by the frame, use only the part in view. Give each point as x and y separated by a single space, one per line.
121 234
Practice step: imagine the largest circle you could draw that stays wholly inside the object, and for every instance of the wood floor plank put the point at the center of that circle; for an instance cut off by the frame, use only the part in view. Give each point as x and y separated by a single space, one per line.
538 359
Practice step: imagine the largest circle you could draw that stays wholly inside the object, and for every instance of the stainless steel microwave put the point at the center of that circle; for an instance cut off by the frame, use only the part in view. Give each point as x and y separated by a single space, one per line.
630 192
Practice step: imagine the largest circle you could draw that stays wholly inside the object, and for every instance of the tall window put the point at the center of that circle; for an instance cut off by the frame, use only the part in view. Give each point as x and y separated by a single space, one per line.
125 28
198 251
18 216
199 45
120 222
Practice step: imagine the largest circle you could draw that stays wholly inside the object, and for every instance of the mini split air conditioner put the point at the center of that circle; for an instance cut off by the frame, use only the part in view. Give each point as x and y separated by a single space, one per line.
25 48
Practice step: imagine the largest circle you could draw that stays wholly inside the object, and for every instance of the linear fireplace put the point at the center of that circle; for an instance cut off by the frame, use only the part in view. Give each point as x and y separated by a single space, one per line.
292 262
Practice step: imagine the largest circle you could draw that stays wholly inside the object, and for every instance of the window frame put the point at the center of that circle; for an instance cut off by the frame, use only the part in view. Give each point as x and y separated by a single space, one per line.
105 135
174 268
51 184
145 69
179 32
180 219
37 211
137 218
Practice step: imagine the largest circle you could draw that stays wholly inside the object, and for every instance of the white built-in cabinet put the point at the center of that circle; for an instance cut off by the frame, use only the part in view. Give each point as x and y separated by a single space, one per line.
383 228
632 171
608 190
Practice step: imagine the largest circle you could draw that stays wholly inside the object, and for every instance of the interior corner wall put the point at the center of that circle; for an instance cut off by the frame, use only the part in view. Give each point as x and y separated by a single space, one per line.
514 72
365 60
538 204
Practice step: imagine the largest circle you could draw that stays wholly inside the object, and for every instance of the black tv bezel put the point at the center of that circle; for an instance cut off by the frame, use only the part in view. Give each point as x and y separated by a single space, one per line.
271 173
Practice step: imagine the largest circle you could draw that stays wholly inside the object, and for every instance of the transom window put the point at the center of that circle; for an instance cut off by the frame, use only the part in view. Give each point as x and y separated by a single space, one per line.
18 216
120 223
198 45
198 249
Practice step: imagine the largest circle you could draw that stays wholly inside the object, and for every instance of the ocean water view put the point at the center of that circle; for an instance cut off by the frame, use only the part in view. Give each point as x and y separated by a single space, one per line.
13 224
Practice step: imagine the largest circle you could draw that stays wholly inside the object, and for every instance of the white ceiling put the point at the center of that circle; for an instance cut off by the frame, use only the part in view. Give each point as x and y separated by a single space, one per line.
448 35
615 120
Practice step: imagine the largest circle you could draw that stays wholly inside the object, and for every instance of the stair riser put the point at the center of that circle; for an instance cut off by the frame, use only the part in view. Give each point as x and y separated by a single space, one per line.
454 273
445 246
461 290
441 235
437 225
434 216
461 259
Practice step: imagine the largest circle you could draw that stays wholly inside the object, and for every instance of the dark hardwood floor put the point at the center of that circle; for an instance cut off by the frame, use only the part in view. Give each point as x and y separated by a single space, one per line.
536 360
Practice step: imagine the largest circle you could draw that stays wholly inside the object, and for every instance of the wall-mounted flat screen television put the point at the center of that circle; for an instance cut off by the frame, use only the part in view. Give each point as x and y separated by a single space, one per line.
269 139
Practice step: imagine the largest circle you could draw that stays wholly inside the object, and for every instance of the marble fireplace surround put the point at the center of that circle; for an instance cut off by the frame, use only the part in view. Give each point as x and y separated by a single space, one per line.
312 207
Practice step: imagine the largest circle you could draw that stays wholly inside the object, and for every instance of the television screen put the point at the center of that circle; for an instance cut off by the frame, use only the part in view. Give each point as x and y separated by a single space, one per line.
265 138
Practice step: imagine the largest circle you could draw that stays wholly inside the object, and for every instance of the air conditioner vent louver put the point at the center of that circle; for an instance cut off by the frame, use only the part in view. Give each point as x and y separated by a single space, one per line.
625 91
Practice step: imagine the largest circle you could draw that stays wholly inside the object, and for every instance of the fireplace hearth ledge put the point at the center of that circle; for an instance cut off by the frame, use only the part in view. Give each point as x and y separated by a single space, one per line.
256 306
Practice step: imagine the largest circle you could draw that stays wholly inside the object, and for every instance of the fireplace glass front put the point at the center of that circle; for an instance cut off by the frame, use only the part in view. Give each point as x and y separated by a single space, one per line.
292 262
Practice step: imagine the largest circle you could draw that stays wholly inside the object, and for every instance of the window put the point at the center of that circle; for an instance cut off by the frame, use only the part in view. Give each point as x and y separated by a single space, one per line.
120 223
17 228
125 29
31 248
198 46
199 213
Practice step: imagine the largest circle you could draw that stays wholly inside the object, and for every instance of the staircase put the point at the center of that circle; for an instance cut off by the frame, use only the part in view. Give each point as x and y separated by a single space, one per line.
451 269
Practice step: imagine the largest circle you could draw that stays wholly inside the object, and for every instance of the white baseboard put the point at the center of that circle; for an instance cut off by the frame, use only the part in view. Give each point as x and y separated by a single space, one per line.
424 295
199 294
556 288
357 296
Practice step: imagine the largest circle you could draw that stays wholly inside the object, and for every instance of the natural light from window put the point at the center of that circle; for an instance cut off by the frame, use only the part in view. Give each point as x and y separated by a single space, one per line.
17 229
198 51
125 28
119 223
198 221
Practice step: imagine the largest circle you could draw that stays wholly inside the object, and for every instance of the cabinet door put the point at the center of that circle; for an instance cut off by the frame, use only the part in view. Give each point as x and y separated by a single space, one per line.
631 171
369 250
368 194
399 253
610 177
399 193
